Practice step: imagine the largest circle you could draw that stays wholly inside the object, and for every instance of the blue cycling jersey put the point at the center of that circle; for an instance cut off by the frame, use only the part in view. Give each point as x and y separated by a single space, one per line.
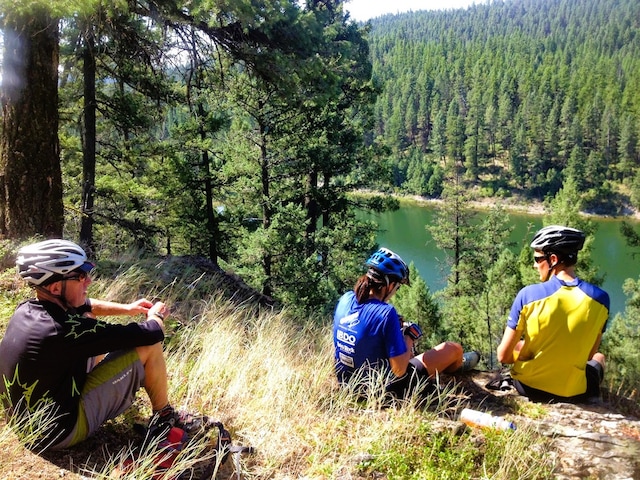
366 334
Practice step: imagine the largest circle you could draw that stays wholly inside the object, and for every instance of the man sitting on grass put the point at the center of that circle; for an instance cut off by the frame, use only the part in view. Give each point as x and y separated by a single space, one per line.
555 327
59 363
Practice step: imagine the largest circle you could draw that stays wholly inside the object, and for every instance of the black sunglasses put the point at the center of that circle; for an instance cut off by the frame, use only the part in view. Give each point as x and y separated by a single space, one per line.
539 259
82 277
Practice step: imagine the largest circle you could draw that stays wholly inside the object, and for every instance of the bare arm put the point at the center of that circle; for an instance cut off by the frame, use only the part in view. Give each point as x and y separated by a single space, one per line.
507 345
103 308
400 363
596 346
154 311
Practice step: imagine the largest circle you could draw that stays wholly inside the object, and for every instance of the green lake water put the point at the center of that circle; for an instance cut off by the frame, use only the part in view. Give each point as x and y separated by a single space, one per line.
404 232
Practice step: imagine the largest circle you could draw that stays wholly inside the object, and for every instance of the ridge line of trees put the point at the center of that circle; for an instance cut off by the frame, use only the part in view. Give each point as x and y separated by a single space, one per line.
523 94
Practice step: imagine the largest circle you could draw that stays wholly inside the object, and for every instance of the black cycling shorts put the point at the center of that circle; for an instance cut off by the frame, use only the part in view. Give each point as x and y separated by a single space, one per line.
595 374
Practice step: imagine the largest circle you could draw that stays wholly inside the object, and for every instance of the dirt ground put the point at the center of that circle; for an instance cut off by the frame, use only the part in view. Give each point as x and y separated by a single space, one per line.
80 462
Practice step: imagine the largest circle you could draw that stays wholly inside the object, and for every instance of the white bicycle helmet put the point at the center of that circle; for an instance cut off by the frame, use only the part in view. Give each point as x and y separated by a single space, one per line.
46 262
558 239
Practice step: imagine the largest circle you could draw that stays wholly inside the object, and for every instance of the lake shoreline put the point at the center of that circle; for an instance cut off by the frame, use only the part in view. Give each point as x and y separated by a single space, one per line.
406 232
535 208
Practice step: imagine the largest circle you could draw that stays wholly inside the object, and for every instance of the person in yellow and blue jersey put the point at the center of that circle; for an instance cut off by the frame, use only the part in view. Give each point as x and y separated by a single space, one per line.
554 329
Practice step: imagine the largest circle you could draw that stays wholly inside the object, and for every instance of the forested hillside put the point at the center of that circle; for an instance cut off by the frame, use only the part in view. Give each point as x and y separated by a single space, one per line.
245 131
520 94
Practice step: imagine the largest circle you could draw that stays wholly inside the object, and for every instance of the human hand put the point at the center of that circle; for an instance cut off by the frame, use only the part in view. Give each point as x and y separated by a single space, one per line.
140 306
158 311
412 330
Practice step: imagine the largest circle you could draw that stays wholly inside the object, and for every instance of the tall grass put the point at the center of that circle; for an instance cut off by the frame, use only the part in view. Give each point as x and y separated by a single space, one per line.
269 377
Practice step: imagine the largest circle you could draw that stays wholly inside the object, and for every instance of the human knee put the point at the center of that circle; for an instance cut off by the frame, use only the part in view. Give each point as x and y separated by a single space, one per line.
149 352
452 348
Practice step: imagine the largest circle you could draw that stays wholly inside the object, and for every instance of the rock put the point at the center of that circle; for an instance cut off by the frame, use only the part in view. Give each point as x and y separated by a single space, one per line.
588 441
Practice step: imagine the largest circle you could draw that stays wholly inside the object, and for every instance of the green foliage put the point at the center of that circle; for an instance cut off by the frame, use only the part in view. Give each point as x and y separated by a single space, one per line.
452 230
502 285
416 304
429 455
635 190
620 343
426 452
424 176
509 100
632 237
55 8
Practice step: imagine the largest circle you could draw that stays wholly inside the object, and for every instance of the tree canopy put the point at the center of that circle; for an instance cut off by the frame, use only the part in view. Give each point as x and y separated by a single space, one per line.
523 94
225 129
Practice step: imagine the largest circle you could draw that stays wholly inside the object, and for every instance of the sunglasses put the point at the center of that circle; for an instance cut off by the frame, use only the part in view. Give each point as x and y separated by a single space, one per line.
81 276
539 259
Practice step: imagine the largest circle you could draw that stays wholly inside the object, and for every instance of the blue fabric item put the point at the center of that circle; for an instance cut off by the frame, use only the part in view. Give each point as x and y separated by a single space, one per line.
87 267
365 334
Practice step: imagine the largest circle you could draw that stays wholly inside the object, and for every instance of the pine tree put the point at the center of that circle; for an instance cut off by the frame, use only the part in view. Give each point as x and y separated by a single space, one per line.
620 343
452 230
31 185
416 304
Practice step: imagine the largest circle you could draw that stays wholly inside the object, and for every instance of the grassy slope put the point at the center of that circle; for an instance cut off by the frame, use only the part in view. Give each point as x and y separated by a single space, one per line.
269 377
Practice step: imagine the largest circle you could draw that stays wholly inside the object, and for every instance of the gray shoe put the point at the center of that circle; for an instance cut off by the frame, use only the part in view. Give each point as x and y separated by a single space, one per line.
469 361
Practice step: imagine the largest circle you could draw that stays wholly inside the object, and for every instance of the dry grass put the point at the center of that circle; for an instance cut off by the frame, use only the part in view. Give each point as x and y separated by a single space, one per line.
269 377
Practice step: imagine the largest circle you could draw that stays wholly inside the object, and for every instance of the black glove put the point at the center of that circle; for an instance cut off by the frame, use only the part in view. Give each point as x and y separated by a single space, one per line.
412 329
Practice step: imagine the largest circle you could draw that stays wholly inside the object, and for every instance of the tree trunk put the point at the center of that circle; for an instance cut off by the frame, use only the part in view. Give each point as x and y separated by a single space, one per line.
89 141
312 208
30 174
212 222
266 207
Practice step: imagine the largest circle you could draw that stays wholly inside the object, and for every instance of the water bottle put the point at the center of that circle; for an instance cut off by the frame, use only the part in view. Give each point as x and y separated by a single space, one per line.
474 418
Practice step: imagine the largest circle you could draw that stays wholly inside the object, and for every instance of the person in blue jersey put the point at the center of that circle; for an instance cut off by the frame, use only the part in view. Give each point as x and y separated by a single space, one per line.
70 371
369 335
554 329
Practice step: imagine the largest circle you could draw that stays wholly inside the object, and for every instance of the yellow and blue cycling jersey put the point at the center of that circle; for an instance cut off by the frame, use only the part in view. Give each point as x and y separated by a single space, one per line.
559 322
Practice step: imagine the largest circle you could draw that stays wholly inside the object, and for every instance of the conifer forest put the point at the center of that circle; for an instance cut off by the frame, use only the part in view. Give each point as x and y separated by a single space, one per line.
239 131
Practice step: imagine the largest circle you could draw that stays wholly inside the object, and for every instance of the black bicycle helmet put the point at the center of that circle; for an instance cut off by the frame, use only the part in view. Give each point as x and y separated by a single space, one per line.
387 263
46 262
558 239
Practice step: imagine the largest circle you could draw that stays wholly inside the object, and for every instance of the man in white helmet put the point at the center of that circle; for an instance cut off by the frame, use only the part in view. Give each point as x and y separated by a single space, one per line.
57 359
555 327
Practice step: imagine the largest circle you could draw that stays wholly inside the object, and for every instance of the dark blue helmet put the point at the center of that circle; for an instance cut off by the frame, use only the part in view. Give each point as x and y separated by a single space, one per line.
387 263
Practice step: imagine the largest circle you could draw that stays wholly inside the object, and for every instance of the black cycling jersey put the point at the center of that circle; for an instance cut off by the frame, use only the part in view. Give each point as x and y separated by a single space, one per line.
45 352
